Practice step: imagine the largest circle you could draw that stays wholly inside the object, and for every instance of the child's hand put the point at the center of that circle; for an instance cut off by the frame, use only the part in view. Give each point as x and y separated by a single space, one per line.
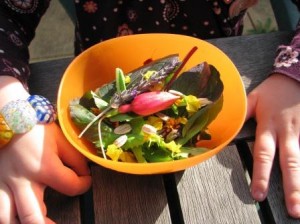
275 104
30 162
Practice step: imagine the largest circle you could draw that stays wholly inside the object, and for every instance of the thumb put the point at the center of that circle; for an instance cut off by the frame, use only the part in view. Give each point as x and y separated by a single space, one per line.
251 105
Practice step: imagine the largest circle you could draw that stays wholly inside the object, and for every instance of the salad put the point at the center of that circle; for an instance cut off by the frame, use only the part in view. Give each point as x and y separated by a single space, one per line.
155 113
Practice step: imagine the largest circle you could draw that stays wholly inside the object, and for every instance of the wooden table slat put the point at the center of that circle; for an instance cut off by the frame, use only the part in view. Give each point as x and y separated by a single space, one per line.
61 208
217 188
253 55
123 198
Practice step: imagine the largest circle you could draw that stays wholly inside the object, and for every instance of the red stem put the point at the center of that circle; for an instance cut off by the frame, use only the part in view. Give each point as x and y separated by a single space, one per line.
185 60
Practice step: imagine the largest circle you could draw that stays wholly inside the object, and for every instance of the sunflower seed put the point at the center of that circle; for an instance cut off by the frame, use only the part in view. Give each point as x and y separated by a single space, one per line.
162 116
149 129
122 129
175 92
119 142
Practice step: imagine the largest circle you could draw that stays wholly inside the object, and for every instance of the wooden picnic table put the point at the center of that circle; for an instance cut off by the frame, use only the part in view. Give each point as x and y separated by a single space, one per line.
215 191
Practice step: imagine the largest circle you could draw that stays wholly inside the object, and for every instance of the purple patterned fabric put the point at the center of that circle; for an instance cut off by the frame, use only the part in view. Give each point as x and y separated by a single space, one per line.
98 20
18 21
287 61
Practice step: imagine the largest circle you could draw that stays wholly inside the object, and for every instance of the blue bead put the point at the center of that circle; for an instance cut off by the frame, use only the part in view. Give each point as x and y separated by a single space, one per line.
45 111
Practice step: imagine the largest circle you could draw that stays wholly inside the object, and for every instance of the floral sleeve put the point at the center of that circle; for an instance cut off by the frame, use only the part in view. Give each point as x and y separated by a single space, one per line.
287 61
18 21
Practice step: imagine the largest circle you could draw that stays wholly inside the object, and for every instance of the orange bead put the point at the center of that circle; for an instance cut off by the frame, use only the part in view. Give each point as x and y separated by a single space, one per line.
6 133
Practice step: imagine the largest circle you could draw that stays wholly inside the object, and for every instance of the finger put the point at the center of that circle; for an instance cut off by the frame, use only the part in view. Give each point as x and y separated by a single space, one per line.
290 166
70 156
7 209
39 190
263 155
64 179
27 203
251 105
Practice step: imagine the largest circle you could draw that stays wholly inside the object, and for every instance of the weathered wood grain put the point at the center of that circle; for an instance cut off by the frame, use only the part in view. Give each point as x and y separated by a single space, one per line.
253 55
62 209
217 191
128 199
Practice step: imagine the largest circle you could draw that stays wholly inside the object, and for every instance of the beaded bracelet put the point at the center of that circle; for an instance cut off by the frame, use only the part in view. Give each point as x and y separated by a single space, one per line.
21 116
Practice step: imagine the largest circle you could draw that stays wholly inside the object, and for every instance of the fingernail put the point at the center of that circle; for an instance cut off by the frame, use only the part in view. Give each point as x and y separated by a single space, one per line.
258 195
295 211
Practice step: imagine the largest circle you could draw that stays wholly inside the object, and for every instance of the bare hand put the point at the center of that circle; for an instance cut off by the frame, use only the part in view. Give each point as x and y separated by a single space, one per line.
29 163
276 106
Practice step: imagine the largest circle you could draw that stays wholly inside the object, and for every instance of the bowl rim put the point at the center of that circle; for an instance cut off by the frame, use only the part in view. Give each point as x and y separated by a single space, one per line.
171 164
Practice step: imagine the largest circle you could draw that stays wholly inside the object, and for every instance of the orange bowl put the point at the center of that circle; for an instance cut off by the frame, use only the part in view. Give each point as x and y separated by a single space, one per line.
96 66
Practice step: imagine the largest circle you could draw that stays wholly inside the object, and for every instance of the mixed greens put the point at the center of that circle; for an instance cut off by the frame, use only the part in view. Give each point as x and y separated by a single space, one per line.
155 113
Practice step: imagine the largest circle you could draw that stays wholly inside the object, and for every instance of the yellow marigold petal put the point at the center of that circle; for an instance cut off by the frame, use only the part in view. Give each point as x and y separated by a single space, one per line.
180 102
127 79
148 74
192 104
172 146
182 120
114 152
127 157
155 122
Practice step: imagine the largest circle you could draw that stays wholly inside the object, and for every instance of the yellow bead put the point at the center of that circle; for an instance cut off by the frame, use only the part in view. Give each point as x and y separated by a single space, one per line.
6 133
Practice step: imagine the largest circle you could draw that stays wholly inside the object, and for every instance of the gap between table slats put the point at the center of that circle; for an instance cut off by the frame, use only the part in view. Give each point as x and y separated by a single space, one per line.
124 198
273 208
216 191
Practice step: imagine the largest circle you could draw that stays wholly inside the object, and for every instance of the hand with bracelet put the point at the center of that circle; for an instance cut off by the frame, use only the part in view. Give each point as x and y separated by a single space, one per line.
33 160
